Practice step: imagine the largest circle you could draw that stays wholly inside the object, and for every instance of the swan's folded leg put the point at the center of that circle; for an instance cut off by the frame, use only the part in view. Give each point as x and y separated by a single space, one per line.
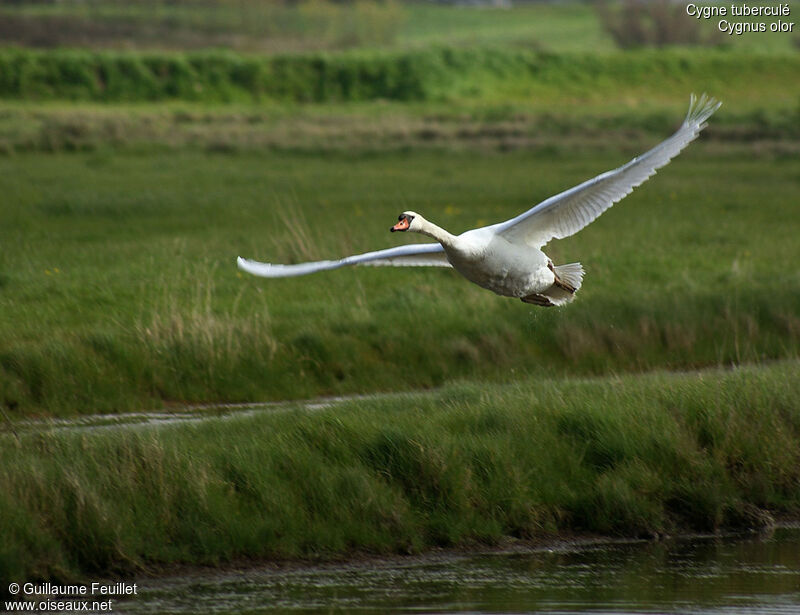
557 295
568 279
565 286
537 299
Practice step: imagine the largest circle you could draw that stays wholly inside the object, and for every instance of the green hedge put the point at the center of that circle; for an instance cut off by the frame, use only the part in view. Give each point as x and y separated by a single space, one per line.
218 76
440 73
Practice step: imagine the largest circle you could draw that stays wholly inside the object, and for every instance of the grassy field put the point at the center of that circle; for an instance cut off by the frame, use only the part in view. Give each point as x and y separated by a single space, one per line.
317 24
631 123
119 288
471 463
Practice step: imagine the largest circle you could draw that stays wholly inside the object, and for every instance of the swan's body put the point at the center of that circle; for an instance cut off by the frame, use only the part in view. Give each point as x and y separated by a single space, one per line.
490 260
506 258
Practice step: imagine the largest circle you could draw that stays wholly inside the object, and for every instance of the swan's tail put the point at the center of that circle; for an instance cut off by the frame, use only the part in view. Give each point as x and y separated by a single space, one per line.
568 281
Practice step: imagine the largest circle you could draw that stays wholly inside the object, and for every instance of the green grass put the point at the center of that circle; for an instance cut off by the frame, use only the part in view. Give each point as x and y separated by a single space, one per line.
556 122
472 463
118 288
438 74
309 25
313 25
570 27
252 26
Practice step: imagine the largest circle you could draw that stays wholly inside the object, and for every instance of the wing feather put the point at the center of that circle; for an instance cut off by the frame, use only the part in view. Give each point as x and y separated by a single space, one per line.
412 255
566 213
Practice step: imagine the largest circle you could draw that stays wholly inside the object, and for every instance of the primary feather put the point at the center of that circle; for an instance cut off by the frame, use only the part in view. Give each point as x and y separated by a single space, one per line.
567 213
415 255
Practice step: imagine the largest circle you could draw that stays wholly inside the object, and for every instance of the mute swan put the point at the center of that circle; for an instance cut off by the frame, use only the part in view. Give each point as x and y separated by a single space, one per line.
506 257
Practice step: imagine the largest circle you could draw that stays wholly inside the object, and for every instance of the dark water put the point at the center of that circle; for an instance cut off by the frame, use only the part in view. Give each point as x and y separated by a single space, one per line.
741 575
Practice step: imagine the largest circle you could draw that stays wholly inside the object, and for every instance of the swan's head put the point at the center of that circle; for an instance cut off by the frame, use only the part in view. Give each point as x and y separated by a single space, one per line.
407 221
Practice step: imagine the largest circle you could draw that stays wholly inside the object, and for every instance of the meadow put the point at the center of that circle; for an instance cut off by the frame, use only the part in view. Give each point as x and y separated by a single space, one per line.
132 176
313 25
120 292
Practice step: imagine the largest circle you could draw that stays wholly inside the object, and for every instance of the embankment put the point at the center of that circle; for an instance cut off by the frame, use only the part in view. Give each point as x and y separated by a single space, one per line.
627 455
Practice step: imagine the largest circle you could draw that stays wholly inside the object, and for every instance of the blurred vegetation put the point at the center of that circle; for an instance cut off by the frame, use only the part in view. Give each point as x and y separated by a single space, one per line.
380 127
308 25
253 25
439 73
656 23
472 463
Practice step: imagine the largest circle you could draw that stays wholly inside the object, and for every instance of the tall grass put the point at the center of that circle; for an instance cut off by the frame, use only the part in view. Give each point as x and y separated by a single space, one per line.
192 339
472 463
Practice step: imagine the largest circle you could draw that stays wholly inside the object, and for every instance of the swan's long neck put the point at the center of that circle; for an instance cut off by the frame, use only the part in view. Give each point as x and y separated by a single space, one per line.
436 232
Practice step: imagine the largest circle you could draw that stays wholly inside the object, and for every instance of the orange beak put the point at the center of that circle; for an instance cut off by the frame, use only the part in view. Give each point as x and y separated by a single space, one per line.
401 226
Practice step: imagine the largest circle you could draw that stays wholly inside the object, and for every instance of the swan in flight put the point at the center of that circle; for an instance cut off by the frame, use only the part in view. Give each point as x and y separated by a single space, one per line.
506 257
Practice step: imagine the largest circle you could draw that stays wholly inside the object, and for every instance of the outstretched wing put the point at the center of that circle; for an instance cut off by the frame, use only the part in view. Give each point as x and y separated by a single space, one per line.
565 214
412 255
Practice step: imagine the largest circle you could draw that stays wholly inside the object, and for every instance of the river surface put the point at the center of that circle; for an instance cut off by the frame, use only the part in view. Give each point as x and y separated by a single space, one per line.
754 574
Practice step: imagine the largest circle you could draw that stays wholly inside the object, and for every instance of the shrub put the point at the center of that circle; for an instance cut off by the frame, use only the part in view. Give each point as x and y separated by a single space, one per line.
652 23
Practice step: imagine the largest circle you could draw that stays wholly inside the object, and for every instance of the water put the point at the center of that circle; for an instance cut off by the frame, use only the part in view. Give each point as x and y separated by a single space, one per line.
196 413
700 575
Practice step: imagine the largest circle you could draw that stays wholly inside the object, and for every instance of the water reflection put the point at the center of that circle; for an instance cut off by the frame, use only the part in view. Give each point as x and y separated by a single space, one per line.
756 574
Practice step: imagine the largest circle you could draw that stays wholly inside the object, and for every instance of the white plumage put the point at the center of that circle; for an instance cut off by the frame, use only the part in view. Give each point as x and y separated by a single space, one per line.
506 257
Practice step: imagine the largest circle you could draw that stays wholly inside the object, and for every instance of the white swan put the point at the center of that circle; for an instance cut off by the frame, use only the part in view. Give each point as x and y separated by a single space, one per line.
506 257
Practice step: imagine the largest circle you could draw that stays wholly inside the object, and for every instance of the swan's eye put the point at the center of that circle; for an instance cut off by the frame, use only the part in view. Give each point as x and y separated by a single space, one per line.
400 218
